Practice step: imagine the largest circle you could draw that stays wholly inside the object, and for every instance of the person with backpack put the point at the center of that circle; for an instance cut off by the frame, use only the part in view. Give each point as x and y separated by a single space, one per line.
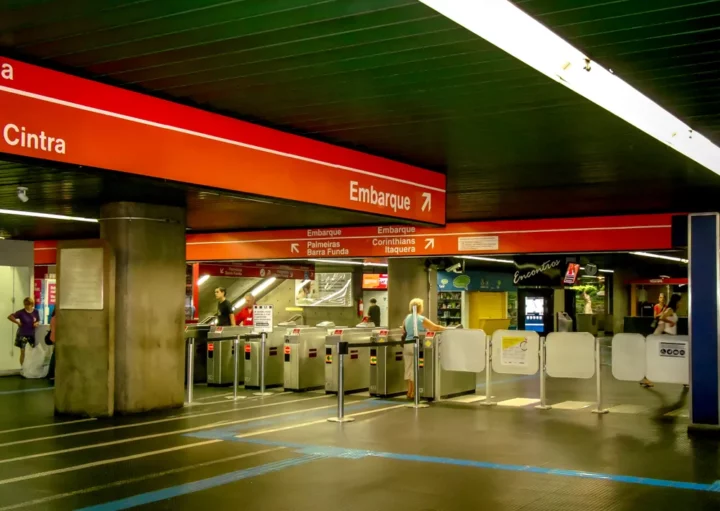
409 330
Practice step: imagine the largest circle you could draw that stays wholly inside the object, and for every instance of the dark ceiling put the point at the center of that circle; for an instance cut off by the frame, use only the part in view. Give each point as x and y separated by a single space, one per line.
393 77
81 193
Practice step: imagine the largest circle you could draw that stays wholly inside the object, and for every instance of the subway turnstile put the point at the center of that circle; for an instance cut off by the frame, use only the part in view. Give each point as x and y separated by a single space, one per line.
199 334
357 375
273 360
304 357
387 367
435 382
220 355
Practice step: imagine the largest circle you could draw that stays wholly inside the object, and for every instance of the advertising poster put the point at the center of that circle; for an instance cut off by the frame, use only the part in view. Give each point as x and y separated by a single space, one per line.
475 281
327 290
514 351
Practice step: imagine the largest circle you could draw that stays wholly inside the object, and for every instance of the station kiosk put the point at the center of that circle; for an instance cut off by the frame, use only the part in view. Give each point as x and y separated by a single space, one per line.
357 375
199 334
304 367
434 381
220 369
387 366
273 360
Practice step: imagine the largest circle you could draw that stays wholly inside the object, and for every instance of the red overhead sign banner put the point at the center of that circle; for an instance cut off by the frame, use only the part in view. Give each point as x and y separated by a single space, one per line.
259 270
569 235
54 116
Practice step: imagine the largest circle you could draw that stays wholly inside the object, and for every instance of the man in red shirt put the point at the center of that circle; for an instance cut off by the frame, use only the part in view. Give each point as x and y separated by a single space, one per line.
245 316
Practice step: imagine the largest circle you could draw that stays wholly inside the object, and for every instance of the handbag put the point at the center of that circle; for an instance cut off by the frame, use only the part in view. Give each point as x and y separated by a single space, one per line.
656 322
48 341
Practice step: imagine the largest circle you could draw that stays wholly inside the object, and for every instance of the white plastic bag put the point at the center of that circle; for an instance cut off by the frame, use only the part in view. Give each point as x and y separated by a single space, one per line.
37 360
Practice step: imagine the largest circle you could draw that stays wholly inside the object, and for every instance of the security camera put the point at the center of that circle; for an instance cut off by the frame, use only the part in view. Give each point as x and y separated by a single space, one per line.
22 194
455 268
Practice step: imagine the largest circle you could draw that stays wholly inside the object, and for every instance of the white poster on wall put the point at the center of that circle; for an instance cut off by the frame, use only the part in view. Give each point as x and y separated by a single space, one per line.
327 290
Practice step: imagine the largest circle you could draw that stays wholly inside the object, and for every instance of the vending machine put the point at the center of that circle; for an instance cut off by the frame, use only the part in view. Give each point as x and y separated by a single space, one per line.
536 310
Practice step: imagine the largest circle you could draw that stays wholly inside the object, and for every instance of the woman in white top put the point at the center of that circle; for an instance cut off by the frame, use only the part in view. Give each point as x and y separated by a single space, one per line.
423 325
667 325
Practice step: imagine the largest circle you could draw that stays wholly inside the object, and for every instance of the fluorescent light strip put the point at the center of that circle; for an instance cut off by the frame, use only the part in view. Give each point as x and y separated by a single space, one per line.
259 289
489 259
47 215
510 29
606 271
336 261
661 256
202 280
341 261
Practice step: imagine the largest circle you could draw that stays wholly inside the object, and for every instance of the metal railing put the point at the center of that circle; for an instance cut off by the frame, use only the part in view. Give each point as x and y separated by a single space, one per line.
343 348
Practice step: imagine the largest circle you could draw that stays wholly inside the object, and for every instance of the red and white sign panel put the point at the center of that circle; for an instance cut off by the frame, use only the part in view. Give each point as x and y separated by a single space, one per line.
568 235
54 116
259 270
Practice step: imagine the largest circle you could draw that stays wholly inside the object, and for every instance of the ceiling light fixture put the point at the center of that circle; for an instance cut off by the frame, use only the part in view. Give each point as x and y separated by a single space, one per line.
489 259
47 215
259 289
661 256
510 29
336 261
606 271
202 280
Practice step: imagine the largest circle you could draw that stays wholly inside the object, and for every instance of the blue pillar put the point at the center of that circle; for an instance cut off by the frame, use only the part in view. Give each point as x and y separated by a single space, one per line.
704 274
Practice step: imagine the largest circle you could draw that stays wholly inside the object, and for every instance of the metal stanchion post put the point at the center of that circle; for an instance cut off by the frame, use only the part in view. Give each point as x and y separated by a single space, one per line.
416 375
341 348
236 349
190 370
488 374
543 403
599 408
261 362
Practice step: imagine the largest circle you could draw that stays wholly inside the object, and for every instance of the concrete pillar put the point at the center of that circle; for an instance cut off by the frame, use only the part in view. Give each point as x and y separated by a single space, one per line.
408 279
85 329
149 246
704 277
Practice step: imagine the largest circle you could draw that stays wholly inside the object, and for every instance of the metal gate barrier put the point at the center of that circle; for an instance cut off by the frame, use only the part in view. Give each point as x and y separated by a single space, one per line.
343 348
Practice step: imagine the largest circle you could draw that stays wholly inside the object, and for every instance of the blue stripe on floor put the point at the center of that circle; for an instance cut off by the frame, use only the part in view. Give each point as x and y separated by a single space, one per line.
203 484
329 452
8 392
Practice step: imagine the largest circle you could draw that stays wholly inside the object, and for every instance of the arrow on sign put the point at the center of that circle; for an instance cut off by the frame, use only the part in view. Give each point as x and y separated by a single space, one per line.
427 205
429 243
294 248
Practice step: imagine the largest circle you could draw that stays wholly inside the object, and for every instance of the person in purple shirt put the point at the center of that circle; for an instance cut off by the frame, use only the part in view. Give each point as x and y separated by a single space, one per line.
26 319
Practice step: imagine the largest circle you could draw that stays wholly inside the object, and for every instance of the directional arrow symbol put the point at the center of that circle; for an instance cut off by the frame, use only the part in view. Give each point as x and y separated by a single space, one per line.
429 243
427 205
295 247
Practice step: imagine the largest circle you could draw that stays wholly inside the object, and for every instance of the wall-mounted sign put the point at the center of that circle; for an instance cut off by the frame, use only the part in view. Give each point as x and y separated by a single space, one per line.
81 275
546 271
259 270
327 290
475 281
375 281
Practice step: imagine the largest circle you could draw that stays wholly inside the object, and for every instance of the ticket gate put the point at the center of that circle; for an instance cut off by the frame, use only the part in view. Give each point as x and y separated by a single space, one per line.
387 365
434 381
199 334
273 360
357 360
220 369
303 358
